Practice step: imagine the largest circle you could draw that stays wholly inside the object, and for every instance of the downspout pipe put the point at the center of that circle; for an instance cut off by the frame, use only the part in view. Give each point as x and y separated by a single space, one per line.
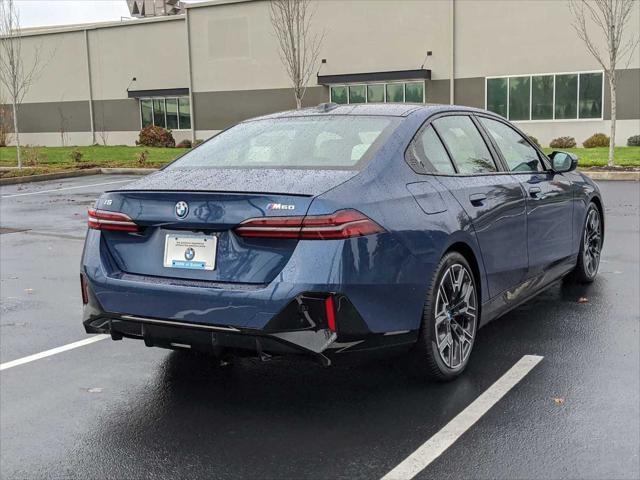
452 60
190 72
90 85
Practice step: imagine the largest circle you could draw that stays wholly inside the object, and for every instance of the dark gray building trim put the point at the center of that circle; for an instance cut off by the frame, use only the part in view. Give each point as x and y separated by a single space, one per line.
437 91
420 74
158 92
54 117
469 92
116 115
628 94
219 110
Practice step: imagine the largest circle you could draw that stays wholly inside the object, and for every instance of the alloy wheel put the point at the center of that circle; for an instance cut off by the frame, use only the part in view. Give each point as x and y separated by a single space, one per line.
455 317
592 242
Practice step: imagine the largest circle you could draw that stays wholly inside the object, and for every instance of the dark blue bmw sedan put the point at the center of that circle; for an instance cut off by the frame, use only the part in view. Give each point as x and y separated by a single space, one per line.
340 229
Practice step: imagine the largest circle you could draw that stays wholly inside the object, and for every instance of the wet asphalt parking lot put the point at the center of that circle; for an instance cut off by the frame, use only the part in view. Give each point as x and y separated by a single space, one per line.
121 410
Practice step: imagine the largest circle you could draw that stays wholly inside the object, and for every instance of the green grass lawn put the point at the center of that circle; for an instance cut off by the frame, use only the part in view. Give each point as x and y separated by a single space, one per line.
50 159
597 157
57 158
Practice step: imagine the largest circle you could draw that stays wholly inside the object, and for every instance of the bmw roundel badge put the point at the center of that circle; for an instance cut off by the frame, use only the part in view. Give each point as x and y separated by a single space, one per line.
189 254
182 208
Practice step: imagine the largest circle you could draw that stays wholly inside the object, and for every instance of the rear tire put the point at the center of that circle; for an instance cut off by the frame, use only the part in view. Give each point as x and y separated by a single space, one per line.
590 247
449 320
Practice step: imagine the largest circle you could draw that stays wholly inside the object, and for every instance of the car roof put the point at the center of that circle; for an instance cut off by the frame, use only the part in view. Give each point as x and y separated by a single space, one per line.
372 109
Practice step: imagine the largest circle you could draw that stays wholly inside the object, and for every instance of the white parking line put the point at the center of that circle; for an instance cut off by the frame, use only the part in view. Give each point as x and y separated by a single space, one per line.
64 188
53 351
436 445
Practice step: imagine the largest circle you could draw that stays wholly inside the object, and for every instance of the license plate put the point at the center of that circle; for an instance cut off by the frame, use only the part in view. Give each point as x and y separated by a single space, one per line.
196 252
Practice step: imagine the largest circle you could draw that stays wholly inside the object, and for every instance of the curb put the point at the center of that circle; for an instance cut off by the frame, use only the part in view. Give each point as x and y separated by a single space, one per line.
49 176
128 171
75 173
604 175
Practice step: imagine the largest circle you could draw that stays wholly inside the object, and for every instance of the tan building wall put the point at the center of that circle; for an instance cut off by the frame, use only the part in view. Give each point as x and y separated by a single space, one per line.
154 53
235 48
502 37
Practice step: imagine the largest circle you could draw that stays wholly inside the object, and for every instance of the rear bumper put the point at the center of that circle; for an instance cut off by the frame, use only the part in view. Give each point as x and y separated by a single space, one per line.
300 328
321 345
386 290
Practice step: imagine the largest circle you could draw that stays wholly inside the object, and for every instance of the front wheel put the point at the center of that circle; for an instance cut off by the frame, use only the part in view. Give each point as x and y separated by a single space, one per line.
449 320
590 247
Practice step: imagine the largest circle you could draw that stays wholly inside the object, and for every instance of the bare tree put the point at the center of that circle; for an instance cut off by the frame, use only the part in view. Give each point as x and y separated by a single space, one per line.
299 46
15 76
610 18
64 122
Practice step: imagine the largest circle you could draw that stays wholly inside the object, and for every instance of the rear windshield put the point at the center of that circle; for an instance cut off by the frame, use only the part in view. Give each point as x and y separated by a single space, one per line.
327 142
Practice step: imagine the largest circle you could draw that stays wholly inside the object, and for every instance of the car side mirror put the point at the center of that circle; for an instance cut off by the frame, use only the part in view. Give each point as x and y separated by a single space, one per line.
563 161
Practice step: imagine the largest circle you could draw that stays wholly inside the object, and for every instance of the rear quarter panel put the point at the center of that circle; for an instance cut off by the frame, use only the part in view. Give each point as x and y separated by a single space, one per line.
386 276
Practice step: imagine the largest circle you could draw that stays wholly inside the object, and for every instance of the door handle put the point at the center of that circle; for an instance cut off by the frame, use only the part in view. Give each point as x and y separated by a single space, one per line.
477 199
536 192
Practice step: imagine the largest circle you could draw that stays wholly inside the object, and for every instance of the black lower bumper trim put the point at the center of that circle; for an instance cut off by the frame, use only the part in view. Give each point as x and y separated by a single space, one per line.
218 340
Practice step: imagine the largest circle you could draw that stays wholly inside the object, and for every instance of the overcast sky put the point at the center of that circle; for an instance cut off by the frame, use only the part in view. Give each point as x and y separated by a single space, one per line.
38 13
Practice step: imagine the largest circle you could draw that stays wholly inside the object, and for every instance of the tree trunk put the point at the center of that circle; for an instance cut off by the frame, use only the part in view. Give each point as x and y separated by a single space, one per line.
298 103
16 133
612 136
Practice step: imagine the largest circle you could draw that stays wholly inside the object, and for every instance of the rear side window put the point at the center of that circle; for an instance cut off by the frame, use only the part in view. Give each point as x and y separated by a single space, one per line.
320 142
430 152
465 143
517 152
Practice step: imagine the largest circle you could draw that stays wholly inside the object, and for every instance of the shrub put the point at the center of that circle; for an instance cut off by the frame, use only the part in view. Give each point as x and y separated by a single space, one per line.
633 141
596 140
197 142
563 142
75 155
141 158
153 136
33 156
534 140
186 143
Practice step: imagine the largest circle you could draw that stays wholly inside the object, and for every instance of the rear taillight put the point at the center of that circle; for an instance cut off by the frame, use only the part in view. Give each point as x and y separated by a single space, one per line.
341 224
103 220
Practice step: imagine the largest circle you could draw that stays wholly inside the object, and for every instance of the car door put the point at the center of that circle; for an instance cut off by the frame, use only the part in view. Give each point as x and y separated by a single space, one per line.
549 196
493 200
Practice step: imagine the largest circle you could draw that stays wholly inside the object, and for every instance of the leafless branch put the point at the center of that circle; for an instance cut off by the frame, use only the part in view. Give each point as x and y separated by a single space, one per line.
299 47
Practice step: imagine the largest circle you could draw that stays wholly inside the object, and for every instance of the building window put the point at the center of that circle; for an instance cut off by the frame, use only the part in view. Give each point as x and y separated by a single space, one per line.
590 95
497 95
357 94
519 98
171 113
146 113
375 93
414 92
339 94
393 92
542 97
565 96
184 113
